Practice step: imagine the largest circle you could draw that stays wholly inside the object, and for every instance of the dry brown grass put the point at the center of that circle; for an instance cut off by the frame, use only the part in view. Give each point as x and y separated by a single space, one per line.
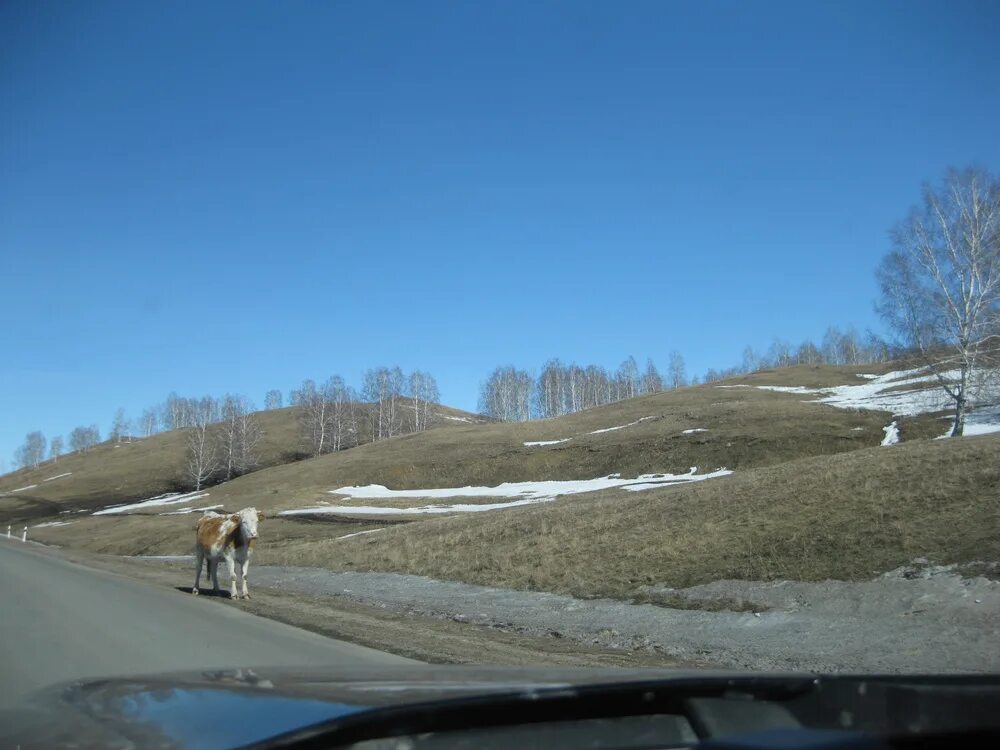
110 473
747 428
848 516
812 497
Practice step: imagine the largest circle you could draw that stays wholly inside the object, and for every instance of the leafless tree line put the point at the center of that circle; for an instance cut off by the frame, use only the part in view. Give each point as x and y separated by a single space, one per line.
222 442
837 347
390 403
223 439
513 395
31 453
224 434
327 414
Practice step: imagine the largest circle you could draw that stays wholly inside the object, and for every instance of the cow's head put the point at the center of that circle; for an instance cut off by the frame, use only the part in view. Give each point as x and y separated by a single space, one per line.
249 518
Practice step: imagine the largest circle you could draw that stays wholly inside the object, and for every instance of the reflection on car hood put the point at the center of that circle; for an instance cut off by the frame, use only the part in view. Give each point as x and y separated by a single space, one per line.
236 707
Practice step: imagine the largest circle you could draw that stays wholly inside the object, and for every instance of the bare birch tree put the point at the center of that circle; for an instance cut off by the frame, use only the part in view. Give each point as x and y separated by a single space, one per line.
32 451
676 374
56 448
779 354
202 458
83 439
119 426
423 391
304 394
249 435
328 417
314 416
383 388
751 360
941 283
808 354
549 390
273 399
628 377
506 395
148 422
831 347
238 437
651 381
342 413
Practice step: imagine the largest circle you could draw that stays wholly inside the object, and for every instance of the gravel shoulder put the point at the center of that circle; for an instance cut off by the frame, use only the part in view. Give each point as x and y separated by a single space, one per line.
916 619
920 618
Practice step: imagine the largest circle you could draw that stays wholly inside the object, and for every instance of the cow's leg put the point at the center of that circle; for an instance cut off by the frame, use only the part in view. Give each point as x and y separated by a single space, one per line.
233 590
213 568
245 567
199 556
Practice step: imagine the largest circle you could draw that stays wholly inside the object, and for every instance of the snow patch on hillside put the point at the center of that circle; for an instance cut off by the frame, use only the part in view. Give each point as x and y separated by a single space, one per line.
521 493
58 476
903 393
980 422
536 443
52 523
790 389
171 498
22 489
693 430
891 434
621 426
184 511
357 533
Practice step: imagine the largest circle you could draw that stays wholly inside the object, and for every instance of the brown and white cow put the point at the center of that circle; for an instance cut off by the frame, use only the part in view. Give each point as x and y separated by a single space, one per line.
230 538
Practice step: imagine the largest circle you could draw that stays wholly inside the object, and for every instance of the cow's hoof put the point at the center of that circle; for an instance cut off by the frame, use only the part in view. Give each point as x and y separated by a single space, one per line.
246 596
233 596
194 591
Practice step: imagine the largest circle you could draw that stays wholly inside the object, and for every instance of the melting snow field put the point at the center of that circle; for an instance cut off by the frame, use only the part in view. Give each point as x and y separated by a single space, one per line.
171 498
890 393
52 523
521 493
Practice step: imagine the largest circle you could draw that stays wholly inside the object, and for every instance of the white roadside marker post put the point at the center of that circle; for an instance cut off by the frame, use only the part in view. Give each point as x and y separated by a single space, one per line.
24 534
8 531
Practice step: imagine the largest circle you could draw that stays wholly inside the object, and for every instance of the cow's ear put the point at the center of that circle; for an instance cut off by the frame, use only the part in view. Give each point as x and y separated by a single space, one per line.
235 518
260 515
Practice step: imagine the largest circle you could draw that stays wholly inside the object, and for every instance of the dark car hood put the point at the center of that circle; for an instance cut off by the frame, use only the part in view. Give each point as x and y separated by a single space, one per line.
229 708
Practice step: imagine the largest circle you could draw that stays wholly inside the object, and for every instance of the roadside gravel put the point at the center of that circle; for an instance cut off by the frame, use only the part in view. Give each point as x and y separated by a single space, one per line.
917 619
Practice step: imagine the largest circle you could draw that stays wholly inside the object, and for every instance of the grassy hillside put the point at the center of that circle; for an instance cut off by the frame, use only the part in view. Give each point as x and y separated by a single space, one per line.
848 516
112 473
744 428
814 495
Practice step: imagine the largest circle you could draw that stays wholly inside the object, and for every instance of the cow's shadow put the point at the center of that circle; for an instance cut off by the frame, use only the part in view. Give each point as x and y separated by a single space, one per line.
221 593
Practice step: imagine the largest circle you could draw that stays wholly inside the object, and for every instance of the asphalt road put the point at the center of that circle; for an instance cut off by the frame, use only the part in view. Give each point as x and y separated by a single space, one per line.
60 621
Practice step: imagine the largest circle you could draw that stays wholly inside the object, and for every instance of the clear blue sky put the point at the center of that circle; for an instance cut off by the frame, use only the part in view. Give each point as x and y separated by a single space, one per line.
234 196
